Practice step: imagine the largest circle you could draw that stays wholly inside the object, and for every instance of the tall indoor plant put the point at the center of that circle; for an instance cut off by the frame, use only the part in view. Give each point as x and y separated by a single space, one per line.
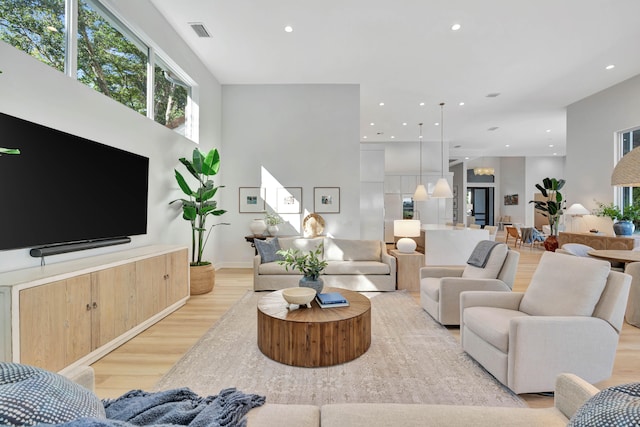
551 208
196 208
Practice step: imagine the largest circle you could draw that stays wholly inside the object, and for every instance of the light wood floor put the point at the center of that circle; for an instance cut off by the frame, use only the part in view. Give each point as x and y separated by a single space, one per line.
142 361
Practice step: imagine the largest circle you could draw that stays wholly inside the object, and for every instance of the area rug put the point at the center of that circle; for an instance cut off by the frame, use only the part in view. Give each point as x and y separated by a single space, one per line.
412 359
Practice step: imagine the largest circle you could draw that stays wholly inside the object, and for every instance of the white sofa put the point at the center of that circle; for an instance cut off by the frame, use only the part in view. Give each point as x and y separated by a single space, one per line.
571 392
357 265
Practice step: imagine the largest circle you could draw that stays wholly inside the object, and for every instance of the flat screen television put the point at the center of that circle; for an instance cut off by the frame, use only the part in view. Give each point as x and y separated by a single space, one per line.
62 188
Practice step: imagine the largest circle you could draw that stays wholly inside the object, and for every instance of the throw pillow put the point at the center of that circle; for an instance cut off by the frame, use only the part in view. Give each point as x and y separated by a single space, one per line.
614 406
30 396
577 249
268 250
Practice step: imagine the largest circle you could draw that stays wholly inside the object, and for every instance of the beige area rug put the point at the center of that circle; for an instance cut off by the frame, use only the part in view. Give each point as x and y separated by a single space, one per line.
412 359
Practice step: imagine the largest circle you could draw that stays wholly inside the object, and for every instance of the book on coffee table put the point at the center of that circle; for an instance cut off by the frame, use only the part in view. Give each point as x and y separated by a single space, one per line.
331 300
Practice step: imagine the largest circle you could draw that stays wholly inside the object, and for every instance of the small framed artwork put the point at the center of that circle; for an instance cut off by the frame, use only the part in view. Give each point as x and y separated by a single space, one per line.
326 199
251 199
511 199
455 191
289 200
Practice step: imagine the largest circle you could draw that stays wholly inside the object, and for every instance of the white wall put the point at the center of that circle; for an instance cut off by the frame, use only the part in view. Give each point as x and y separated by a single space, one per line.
592 124
36 92
305 136
512 181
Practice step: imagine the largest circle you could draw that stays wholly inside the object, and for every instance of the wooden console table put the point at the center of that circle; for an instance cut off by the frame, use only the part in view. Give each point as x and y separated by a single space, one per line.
312 337
596 241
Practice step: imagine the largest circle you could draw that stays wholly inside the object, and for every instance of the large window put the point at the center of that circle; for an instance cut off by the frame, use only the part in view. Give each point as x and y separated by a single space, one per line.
629 140
107 56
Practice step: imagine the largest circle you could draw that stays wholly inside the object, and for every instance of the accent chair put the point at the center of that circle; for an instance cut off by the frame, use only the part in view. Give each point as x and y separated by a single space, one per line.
568 320
440 286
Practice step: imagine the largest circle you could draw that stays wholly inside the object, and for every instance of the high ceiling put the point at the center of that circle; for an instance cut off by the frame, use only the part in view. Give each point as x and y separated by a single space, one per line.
538 55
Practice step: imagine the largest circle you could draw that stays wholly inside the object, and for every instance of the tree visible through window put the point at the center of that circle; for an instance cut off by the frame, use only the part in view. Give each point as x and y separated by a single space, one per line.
629 140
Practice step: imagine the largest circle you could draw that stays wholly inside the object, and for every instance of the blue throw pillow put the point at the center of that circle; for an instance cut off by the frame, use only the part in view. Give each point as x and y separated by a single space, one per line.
267 249
30 396
614 406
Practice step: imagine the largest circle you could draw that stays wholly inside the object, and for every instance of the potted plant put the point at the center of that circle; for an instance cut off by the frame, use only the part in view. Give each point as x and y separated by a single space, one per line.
551 208
623 218
196 208
272 220
309 264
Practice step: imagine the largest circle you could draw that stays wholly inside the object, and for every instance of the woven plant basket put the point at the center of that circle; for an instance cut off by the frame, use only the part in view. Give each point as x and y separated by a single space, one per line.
203 278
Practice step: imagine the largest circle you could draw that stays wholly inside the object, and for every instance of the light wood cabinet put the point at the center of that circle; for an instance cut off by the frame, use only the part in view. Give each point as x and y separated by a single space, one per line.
71 313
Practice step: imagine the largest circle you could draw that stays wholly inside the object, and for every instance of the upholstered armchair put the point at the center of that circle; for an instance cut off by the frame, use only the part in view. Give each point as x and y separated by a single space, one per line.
440 287
568 320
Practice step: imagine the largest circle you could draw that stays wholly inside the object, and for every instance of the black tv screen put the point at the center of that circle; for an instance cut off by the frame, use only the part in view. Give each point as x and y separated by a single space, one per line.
62 188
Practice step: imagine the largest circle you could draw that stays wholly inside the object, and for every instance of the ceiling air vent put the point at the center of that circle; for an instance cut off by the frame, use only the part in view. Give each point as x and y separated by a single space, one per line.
200 29
493 95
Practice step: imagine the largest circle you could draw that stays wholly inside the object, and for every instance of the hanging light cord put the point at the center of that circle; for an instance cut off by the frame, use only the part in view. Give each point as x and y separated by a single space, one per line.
420 181
442 139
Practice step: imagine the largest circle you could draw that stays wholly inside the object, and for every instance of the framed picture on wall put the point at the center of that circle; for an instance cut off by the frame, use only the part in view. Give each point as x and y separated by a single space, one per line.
251 199
326 199
511 199
289 200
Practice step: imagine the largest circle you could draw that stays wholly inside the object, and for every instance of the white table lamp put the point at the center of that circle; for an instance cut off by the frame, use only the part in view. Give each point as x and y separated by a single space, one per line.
406 228
574 210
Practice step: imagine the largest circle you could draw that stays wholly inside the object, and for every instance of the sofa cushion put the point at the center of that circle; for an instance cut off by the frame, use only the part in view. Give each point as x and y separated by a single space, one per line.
494 264
565 285
302 244
577 249
351 250
30 395
356 267
268 250
275 268
491 324
613 406
431 286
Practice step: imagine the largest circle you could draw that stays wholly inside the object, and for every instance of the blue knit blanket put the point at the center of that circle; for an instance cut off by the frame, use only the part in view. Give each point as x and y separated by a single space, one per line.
177 407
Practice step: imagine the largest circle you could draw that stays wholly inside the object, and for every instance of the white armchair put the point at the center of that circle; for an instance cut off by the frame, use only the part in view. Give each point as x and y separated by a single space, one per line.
440 287
568 320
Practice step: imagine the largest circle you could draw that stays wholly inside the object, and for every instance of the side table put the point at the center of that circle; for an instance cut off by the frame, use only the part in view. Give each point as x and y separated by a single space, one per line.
408 268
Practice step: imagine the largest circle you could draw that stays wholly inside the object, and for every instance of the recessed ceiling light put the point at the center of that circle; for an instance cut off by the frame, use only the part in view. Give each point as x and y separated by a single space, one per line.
404 123
288 29
422 104
393 137
548 130
550 145
372 124
436 124
420 137
364 137
461 104
381 104
610 67
456 27
555 154
507 145
466 158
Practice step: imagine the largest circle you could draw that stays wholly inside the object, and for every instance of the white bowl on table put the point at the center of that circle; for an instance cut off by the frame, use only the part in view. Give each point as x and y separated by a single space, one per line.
300 296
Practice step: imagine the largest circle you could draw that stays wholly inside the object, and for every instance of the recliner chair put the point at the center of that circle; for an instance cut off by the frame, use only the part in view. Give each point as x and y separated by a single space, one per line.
440 287
568 320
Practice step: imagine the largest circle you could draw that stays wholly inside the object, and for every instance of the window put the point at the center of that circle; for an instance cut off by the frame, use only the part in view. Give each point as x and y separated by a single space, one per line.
629 140
35 27
110 57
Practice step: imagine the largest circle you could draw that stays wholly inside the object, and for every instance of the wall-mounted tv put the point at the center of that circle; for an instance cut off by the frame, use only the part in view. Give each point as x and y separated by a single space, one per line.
62 188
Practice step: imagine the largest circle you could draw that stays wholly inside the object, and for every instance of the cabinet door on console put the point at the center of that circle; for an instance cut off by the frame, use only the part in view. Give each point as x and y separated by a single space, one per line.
55 323
177 276
114 303
151 286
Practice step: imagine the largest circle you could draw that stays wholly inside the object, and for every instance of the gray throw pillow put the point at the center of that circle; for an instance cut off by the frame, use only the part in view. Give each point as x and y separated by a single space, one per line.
614 406
30 396
267 249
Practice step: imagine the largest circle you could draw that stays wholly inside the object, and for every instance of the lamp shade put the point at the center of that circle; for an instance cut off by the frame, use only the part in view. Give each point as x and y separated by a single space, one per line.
442 190
577 209
406 228
421 194
627 171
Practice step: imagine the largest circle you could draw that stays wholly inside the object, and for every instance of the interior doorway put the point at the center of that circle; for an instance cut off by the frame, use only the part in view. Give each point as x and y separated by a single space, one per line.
481 200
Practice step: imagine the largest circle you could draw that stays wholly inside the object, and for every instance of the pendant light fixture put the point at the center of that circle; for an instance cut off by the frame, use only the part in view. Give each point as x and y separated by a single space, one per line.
442 189
483 170
420 195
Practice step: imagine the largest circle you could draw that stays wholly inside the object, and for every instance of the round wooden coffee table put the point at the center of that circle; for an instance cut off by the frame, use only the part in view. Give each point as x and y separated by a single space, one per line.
312 337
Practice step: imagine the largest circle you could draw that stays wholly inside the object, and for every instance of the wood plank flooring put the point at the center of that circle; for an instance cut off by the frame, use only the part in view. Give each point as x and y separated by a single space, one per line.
142 361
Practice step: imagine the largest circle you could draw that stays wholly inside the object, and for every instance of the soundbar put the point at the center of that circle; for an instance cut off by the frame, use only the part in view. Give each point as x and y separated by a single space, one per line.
76 246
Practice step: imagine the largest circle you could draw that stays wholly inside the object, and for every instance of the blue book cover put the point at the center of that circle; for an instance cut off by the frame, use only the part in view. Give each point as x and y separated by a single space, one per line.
331 298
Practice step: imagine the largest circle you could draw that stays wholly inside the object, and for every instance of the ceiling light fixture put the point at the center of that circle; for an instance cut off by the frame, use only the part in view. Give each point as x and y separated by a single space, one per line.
381 104
461 104
420 195
442 190
610 67
456 27
404 123
422 104
483 170
288 29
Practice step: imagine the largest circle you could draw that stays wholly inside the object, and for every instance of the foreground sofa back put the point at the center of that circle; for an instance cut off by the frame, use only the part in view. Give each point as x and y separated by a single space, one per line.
357 265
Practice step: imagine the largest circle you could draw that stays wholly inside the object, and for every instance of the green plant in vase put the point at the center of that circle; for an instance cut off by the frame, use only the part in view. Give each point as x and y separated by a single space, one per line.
272 220
309 264
624 219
